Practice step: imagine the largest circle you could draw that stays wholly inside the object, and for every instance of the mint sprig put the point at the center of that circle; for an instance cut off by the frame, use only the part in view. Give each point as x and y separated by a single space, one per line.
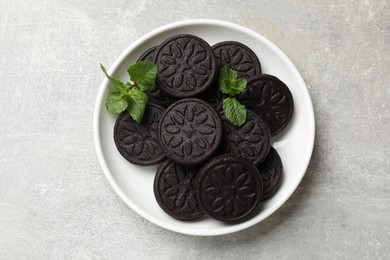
128 95
144 74
137 101
234 111
230 84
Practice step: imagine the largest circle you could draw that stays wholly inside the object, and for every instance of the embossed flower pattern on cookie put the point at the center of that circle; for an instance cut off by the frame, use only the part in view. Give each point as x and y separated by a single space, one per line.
186 66
155 94
237 57
251 140
271 99
138 143
229 189
271 103
271 171
143 138
174 188
189 130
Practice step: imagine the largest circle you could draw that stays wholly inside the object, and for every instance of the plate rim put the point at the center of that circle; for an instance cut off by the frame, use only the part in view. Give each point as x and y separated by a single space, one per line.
103 164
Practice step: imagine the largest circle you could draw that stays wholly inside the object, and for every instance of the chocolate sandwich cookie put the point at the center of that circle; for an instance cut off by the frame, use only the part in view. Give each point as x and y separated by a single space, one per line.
271 172
174 190
270 99
229 188
190 131
239 57
252 140
148 55
186 66
213 97
155 94
138 143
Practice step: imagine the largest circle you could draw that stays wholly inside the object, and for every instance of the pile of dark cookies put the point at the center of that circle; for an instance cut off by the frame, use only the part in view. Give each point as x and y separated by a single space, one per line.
209 165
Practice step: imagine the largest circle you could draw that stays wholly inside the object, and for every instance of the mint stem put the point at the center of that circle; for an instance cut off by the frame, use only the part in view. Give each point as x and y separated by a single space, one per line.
131 87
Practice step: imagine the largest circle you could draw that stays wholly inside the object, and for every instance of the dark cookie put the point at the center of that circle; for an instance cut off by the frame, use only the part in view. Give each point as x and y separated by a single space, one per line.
270 99
229 188
190 131
155 94
174 189
138 143
239 57
186 66
148 55
251 140
214 97
271 171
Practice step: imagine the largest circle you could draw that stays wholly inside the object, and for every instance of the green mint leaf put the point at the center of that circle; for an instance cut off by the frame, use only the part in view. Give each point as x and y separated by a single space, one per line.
229 83
127 85
233 87
234 111
117 84
137 101
121 105
237 86
224 86
115 102
227 73
143 73
131 96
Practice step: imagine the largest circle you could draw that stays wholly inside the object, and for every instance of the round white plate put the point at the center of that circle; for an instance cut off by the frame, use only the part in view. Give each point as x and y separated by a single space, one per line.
134 184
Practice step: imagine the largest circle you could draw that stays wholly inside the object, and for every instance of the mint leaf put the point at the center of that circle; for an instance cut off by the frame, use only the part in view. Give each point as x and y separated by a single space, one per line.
233 87
116 83
227 73
224 86
128 85
237 86
234 111
130 96
229 83
120 105
115 102
143 73
137 101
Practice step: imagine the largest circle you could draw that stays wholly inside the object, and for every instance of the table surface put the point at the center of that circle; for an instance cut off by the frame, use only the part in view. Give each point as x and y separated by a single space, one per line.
55 201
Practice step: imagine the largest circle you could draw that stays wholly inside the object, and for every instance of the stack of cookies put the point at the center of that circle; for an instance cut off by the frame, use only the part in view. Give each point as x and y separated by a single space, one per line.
208 165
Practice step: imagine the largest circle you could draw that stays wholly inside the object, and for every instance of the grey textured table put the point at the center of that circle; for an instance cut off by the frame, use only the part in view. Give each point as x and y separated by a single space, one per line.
55 201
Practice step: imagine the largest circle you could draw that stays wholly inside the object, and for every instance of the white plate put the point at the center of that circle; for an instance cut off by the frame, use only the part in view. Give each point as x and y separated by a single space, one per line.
295 144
